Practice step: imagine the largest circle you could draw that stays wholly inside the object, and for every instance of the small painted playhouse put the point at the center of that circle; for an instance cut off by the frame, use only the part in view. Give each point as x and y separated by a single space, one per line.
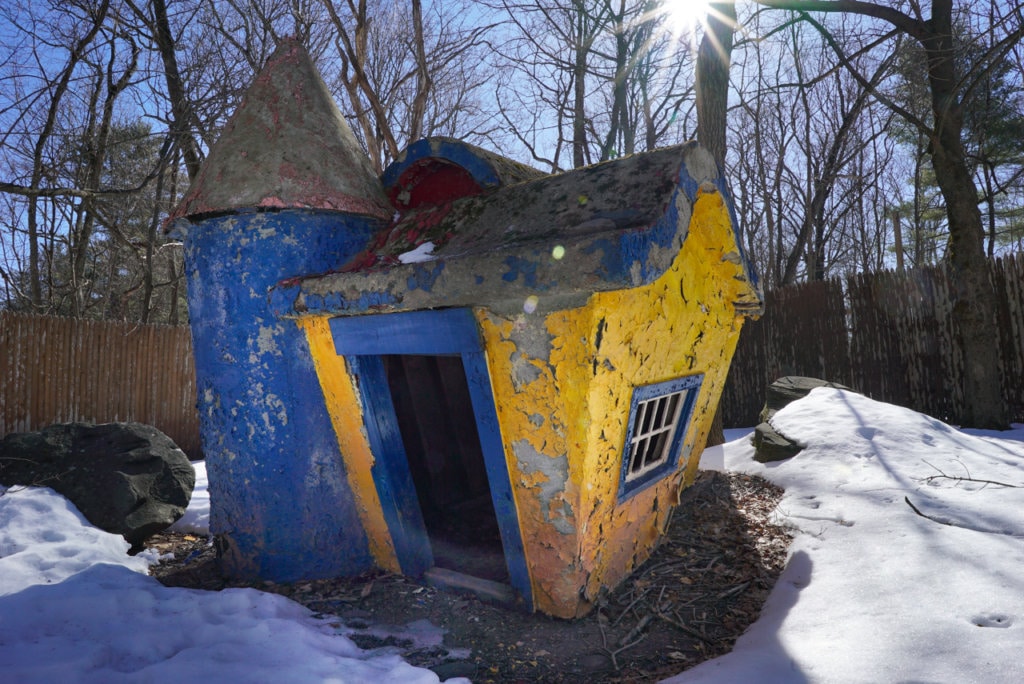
465 369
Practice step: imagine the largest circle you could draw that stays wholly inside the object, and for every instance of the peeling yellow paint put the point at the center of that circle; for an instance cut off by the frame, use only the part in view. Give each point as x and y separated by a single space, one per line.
585 363
563 383
344 408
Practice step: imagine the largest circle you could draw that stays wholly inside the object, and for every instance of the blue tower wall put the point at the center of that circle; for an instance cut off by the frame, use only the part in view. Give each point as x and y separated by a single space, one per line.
281 505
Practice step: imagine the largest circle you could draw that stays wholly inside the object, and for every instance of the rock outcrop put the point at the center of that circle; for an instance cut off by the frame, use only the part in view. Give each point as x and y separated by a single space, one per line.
125 478
769 444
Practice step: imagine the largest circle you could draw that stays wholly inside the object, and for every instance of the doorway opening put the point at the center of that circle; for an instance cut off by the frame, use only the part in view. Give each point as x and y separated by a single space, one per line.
432 403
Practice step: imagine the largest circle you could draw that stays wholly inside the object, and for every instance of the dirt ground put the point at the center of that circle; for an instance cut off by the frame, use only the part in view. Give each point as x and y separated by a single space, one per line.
698 592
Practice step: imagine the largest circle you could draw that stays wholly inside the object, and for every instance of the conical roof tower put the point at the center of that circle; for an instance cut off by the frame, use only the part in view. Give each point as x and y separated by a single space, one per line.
286 146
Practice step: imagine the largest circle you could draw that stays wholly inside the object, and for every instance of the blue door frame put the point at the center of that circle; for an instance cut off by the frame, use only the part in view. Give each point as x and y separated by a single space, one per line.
362 340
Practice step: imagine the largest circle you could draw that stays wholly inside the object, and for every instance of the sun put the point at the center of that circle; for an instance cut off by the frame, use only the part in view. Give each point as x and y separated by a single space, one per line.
685 15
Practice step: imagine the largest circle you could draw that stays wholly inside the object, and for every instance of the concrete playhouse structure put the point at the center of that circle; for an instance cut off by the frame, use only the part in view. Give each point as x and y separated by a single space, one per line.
465 369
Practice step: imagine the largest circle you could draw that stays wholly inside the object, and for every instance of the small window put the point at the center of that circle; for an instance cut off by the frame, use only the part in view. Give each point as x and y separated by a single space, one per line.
659 416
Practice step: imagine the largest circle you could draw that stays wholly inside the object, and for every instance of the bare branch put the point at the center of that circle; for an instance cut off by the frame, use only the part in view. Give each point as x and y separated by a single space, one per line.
898 19
865 83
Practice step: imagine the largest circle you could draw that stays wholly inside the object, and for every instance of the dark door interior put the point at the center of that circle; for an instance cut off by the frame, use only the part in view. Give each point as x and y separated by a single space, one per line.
435 418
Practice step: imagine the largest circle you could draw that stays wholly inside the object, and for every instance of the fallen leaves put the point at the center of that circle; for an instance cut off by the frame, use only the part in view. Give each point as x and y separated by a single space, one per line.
701 588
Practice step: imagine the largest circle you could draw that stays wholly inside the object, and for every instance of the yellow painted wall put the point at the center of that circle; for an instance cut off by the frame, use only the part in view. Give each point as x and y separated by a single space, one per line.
345 409
563 402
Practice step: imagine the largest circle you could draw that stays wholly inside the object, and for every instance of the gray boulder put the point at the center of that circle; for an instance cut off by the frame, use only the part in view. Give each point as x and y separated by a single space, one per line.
769 444
125 478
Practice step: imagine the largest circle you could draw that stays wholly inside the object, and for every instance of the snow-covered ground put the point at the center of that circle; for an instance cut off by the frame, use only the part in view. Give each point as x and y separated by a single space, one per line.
873 591
74 607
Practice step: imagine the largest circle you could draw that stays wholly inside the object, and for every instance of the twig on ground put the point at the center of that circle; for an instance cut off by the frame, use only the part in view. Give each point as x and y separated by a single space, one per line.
925 515
633 633
734 590
612 654
681 626
943 476
712 563
952 523
632 603
969 479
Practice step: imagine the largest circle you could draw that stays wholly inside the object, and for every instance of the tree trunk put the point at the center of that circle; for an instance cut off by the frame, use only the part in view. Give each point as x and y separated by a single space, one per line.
579 91
974 317
181 108
619 86
423 80
713 60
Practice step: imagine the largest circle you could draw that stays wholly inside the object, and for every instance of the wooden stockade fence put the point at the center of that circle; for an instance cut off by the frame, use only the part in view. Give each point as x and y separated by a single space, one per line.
889 335
58 370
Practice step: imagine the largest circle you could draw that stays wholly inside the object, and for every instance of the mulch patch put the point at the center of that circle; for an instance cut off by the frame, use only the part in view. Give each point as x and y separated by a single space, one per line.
702 587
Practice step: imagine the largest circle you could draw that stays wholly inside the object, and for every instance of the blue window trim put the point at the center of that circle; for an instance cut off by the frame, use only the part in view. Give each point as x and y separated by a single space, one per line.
362 340
645 393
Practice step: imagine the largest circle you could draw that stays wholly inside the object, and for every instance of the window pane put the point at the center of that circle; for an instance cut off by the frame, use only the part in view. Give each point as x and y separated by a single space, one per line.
638 420
657 449
638 459
648 414
673 407
659 416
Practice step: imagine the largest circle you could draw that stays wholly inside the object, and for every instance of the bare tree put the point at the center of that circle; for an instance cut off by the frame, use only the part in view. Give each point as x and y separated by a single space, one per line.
823 173
602 78
549 46
948 84
155 18
396 61
53 92
764 133
59 253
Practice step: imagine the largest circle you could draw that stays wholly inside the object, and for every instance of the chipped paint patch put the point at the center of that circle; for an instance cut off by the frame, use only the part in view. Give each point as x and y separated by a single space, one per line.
700 165
531 338
555 471
262 419
275 409
575 370
524 371
265 343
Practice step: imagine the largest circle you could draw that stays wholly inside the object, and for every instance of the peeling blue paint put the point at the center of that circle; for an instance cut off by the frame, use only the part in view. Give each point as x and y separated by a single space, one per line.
423 278
636 246
688 185
287 300
611 259
281 507
519 267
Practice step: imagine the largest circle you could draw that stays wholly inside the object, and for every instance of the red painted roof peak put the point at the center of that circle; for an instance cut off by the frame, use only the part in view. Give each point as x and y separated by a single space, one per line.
286 146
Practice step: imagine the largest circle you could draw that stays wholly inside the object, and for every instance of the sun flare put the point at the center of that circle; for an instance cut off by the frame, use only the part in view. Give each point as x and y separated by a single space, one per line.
685 15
